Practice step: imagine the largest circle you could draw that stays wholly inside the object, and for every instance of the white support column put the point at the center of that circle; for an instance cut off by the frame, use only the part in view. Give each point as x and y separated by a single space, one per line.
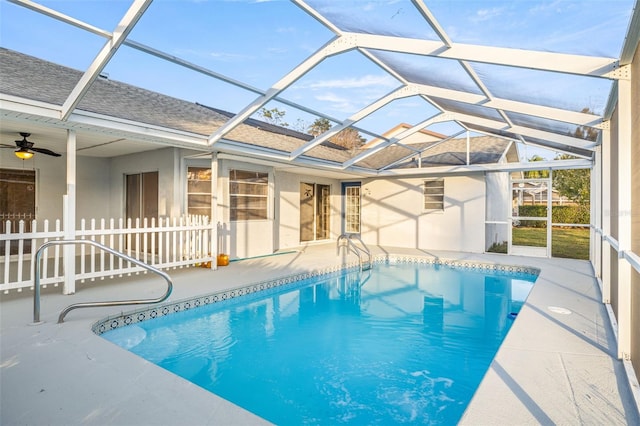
549 212
624 218
606 215
214 210
69 217
595 249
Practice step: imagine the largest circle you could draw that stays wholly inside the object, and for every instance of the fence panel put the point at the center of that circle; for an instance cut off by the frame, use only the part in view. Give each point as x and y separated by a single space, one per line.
167 243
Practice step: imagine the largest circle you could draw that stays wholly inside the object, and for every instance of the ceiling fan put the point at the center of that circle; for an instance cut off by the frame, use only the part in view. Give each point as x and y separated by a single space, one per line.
26 149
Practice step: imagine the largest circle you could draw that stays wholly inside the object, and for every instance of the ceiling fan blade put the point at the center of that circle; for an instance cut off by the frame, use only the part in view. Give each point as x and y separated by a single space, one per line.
45 151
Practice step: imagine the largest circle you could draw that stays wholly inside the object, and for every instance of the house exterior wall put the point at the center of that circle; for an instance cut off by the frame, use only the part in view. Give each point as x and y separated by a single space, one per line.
241 239
287 196
166 162
391 208
92 184
393 215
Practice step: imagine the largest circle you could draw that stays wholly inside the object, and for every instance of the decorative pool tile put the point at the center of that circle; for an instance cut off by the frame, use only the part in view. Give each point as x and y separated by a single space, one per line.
264 288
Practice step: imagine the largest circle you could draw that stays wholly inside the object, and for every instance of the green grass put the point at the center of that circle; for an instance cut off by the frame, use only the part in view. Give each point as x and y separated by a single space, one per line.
570 243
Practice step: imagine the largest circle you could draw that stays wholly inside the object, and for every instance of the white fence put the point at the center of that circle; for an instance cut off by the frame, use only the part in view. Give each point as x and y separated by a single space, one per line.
169 243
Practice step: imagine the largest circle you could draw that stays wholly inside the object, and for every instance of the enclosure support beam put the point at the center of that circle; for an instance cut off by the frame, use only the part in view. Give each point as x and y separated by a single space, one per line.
624 219
595 252
109 49
606 215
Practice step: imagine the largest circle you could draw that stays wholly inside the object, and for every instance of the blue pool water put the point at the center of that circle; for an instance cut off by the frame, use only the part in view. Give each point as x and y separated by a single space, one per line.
410 345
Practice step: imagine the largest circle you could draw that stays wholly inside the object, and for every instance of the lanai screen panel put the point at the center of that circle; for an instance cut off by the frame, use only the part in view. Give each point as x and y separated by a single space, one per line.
395 18
437 72
243 56
583 28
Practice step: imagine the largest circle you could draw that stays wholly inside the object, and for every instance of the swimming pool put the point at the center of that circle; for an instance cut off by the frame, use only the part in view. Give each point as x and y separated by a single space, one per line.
409 346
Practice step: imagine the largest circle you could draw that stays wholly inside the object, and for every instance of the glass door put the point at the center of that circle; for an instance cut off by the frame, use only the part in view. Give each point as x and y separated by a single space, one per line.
351 208
315 211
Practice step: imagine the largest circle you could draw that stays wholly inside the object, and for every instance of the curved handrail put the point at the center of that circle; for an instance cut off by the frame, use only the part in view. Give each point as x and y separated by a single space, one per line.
357 250
364 247
65 311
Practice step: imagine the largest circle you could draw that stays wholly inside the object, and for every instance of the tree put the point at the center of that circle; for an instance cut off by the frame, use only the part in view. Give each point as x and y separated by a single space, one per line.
274 116
319 126
347 138
536 174
574 184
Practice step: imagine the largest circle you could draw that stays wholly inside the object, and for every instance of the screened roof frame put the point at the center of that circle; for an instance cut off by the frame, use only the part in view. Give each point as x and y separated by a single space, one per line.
368 44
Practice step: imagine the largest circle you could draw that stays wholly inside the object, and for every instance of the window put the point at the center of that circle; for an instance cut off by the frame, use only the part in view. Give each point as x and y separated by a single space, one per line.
434 194
352 208
248 195
17 202
199 191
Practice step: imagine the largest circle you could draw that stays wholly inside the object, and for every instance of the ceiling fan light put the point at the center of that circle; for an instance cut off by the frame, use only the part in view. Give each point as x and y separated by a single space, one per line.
23 154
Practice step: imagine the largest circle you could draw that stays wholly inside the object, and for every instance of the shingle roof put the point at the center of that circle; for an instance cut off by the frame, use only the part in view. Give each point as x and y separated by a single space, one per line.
35 79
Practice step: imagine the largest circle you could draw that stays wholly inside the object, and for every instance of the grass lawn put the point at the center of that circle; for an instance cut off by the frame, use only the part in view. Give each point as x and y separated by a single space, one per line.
566 242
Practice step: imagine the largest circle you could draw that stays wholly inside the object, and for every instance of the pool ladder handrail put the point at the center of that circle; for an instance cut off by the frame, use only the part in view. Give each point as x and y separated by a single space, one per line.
65 311
359 251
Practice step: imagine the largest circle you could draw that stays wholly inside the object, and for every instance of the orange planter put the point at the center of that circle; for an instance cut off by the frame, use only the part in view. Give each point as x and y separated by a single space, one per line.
223 260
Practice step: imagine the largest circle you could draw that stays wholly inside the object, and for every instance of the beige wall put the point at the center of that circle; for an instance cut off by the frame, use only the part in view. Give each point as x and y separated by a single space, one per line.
166 162
287 197
242 239
393 215
92 184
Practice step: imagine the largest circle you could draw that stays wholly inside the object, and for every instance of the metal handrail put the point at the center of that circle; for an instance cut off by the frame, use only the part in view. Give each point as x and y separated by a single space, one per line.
364 247
65 311
357 250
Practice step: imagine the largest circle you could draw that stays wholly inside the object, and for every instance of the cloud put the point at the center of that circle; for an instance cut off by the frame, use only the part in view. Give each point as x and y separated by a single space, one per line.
556 6
351 83
487 14
228 57
337 102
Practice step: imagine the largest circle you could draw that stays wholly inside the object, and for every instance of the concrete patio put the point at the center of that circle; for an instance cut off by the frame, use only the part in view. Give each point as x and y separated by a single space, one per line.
553 368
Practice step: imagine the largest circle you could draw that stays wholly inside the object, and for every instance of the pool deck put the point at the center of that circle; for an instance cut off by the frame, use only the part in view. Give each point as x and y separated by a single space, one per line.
553 367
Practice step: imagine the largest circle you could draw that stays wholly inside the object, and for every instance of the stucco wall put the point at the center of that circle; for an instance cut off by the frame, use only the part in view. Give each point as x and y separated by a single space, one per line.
393 215
166 162
287 196
241 239
92 183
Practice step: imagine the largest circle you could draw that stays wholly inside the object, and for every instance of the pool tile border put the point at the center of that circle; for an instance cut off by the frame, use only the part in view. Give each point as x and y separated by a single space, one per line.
282 283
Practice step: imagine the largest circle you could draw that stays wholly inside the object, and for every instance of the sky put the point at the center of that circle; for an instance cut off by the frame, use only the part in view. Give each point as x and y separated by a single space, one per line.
258 42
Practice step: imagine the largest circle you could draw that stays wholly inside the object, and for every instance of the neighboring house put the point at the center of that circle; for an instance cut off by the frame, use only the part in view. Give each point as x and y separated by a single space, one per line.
140 154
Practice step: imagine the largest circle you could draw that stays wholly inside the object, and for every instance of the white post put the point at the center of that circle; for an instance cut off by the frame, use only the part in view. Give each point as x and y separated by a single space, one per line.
549 211
606 214
69 217
214 210
596 213
624 218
